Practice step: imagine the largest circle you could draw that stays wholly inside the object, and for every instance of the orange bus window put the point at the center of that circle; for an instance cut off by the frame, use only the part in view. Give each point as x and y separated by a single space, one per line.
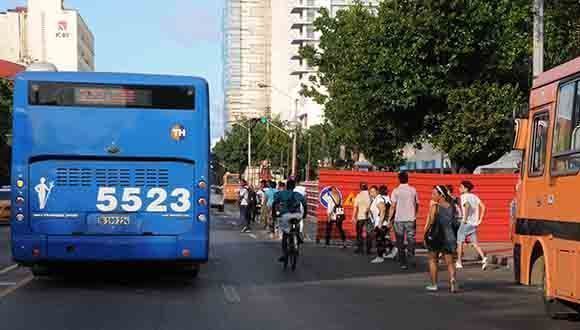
538 154
567 130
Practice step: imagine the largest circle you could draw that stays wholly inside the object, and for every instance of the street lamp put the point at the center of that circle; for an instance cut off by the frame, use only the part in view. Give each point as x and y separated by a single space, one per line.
294 123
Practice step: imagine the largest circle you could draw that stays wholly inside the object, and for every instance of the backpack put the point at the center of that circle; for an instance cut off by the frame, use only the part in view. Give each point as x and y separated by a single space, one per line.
252 198
293 204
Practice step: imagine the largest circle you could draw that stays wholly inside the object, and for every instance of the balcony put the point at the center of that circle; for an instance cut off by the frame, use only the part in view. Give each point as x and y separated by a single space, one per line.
300 22
301 38
301 69
300 5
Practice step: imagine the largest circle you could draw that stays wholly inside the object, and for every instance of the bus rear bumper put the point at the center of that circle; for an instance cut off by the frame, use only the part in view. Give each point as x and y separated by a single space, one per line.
42 248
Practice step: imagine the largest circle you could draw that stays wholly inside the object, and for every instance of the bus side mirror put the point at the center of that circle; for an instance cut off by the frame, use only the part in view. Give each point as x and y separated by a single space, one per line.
521 134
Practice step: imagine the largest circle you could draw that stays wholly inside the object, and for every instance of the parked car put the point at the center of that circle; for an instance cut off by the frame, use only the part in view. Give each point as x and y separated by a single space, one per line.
216 198
5 205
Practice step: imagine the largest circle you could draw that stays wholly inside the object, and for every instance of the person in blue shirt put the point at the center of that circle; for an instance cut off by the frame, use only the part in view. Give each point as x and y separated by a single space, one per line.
288 205
269 193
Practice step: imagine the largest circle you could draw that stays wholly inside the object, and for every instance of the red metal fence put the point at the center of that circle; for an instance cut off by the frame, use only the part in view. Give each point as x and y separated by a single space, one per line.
495 190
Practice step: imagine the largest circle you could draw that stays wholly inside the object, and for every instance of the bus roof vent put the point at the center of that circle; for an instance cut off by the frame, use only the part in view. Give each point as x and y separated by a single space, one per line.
42 67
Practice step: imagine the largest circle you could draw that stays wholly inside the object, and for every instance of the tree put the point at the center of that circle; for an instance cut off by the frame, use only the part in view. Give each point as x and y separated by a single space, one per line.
389 79
267 143
562 31
483 107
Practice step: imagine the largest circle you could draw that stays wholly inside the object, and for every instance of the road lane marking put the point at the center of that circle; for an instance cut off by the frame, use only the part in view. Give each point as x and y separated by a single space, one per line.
231 294
8 269
18 285
7 283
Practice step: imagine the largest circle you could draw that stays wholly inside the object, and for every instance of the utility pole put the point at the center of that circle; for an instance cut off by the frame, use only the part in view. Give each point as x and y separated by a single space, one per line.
249 147
295 139
308 159
538 59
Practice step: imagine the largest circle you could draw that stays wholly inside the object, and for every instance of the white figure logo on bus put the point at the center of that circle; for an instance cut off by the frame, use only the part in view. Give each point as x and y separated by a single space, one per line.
43 190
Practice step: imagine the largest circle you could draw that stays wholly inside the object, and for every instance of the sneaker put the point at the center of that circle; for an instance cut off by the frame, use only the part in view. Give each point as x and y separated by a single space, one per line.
377 260
458 265
282 259
392 254
432 288
244 229
484 263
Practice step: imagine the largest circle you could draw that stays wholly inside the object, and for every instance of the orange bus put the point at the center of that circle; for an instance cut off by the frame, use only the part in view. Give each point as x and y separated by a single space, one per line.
231 187
546 232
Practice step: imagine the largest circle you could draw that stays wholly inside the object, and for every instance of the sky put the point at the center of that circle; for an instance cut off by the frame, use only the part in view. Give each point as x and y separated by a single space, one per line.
149 36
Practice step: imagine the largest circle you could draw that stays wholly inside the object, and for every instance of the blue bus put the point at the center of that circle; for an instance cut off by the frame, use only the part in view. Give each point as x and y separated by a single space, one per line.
110 167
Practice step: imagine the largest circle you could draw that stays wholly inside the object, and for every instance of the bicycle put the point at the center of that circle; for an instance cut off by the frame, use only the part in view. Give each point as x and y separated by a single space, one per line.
292 247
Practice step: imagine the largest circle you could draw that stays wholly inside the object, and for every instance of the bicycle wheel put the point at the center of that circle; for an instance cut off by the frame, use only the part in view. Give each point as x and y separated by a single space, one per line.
293 251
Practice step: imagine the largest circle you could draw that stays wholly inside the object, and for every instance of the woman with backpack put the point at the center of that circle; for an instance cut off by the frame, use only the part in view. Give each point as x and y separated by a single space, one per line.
440 237
335 215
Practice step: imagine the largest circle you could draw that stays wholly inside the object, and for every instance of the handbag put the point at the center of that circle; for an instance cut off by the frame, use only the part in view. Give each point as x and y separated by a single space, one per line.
338 210
433 235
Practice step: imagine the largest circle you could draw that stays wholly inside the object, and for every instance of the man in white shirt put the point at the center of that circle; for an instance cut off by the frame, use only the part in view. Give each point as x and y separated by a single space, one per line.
360 216
404 210
473 211
244 201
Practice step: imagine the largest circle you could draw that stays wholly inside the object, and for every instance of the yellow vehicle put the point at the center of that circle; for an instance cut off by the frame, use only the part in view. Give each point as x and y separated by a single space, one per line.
546 232
231 187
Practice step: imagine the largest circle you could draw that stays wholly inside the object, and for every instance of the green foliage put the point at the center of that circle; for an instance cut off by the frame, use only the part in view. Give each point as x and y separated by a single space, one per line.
267 143
390 79
562 31
479 128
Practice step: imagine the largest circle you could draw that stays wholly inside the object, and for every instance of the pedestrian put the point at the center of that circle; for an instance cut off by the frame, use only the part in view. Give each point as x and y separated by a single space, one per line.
335 215
260 203
276 211
404 214
252 204
269 195
377 211
390 249
360 216
243 201
473 211
440 237
456 203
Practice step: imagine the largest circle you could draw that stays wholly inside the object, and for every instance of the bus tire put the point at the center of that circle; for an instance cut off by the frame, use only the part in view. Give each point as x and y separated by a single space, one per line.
552 306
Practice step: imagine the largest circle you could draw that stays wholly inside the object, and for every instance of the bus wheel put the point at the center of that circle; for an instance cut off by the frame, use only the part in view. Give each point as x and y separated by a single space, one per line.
553 308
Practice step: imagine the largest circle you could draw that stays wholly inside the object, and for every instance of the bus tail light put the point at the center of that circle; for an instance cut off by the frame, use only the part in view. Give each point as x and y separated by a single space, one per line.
19 200
36 252
185 252
202 218
202 202
20 183
202 184
20 217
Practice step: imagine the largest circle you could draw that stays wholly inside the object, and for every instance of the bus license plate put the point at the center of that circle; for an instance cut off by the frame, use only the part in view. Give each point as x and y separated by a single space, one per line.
114 220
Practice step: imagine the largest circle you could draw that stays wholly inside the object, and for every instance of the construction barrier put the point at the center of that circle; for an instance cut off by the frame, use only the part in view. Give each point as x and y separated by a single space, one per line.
495 190
311 196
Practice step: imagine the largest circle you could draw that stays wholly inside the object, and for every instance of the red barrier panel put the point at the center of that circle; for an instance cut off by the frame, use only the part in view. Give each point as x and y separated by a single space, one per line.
495 190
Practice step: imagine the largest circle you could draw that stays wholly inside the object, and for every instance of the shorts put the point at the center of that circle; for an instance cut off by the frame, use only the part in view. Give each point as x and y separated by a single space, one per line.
467 230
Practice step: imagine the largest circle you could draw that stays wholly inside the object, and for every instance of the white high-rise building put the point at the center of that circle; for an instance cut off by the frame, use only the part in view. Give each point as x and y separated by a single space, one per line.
263 72
45 31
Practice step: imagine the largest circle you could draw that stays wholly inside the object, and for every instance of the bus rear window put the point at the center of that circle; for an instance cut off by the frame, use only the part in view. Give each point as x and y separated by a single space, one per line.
111 96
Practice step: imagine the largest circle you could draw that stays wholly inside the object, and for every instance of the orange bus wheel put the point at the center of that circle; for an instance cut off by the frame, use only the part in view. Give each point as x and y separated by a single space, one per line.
554 309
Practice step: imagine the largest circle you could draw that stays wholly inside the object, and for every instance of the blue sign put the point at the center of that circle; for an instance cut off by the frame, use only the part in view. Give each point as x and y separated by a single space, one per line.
325 196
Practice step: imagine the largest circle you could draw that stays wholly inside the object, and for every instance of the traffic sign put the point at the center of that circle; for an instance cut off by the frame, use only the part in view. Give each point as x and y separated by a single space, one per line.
325 197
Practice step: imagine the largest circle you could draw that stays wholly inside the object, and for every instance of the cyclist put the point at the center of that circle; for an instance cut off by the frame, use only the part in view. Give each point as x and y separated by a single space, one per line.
287 204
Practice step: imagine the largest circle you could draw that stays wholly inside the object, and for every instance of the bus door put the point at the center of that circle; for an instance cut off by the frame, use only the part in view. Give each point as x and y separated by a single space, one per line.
562 191
535 185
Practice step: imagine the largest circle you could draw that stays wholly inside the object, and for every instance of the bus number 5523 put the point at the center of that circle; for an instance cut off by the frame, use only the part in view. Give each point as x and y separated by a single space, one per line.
131 200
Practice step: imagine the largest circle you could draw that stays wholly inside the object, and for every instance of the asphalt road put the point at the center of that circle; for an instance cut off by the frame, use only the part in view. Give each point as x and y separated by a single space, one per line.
243 287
